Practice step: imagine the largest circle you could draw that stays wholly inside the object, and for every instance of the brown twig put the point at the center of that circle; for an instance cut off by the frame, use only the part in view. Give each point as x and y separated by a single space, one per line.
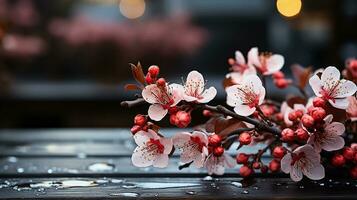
262 151
133 103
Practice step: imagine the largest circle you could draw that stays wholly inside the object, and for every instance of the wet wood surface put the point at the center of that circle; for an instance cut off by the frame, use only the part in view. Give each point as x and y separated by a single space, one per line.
96 164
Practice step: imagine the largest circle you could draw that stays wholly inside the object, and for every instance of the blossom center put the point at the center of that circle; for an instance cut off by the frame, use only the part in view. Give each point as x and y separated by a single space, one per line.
155 146
297 157
197 141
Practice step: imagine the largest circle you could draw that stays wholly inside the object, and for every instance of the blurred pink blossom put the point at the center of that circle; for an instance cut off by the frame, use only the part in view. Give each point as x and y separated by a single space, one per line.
22 46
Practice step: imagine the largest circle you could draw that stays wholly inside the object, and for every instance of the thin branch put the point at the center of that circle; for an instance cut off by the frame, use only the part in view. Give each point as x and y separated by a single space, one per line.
133 103
185 165
262 151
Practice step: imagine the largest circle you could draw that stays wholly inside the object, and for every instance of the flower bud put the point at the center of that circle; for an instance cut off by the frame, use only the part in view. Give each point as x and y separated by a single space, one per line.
301 134
161 82
353 172
214 140
318 114
231 61
154 70
278 75
348 153
264 169
279 116
274 165
207 113
140 120
245 138
148 79
292 116
281 83
135 129
338 160
279 152
299 113
173 119
256 165
307 121
218 151
319 102
184 119
173 110
287 135
245 171
242 158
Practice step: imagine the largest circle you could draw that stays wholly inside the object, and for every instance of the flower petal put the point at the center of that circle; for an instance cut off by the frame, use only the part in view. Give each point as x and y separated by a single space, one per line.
215 165
161 161
244 110
141 158
253 82
332 142
167 142
203 137
261 95
296 173
180 139
208 95
315 172
176 91
345 89
157 112
239 58
229 162
335 128
199 160
274 64
149 93
142 137
330 78
286 163
253 57
316 85
194 82
339 103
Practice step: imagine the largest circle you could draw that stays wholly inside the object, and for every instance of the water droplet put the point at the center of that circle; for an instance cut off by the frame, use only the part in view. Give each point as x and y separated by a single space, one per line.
191 192
20 170
348 183
81 155
100 167
131 186
330 180
77 183
278 184
207 178
237 184
245 192
116 181
322 184
50 171
124 194
12 159
102 181
256 188
301 187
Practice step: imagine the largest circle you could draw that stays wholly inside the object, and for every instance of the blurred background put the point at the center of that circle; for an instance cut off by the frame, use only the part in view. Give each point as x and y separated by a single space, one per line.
64 63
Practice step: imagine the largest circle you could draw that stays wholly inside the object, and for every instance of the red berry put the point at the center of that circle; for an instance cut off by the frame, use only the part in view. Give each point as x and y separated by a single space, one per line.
173 119
161 82
140 120
264 169
287 135
242 158
274 165
256 165
301 134
307 121
154 70
135 129
279 152
348 153
218 151
338 160
281 83
148 79
184 119
318 114
292 116
353 172
278 75
214 140
245 138
299 113
245 171
319 102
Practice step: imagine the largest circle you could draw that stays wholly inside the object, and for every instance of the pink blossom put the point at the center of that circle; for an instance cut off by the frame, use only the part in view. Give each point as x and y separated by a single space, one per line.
266 63
352 108
303 161
329 137
151 150
193 147
331 88
245 97
194 89
240 68
161 98
217 165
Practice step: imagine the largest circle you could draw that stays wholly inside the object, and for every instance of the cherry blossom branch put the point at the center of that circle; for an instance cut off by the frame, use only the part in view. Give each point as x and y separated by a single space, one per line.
133 103
262 151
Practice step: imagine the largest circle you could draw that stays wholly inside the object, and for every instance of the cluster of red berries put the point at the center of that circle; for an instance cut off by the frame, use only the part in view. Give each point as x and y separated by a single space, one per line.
215 145
140 123
348 156
152 74
179 118
280 81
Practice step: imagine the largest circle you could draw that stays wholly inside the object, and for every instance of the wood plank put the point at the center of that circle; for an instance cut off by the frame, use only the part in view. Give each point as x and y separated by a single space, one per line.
179 188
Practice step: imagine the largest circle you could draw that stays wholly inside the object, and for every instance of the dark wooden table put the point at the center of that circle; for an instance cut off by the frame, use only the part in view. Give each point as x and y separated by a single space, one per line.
95 164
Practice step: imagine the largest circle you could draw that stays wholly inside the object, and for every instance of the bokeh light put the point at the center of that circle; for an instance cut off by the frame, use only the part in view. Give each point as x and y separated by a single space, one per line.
289 8
132 9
